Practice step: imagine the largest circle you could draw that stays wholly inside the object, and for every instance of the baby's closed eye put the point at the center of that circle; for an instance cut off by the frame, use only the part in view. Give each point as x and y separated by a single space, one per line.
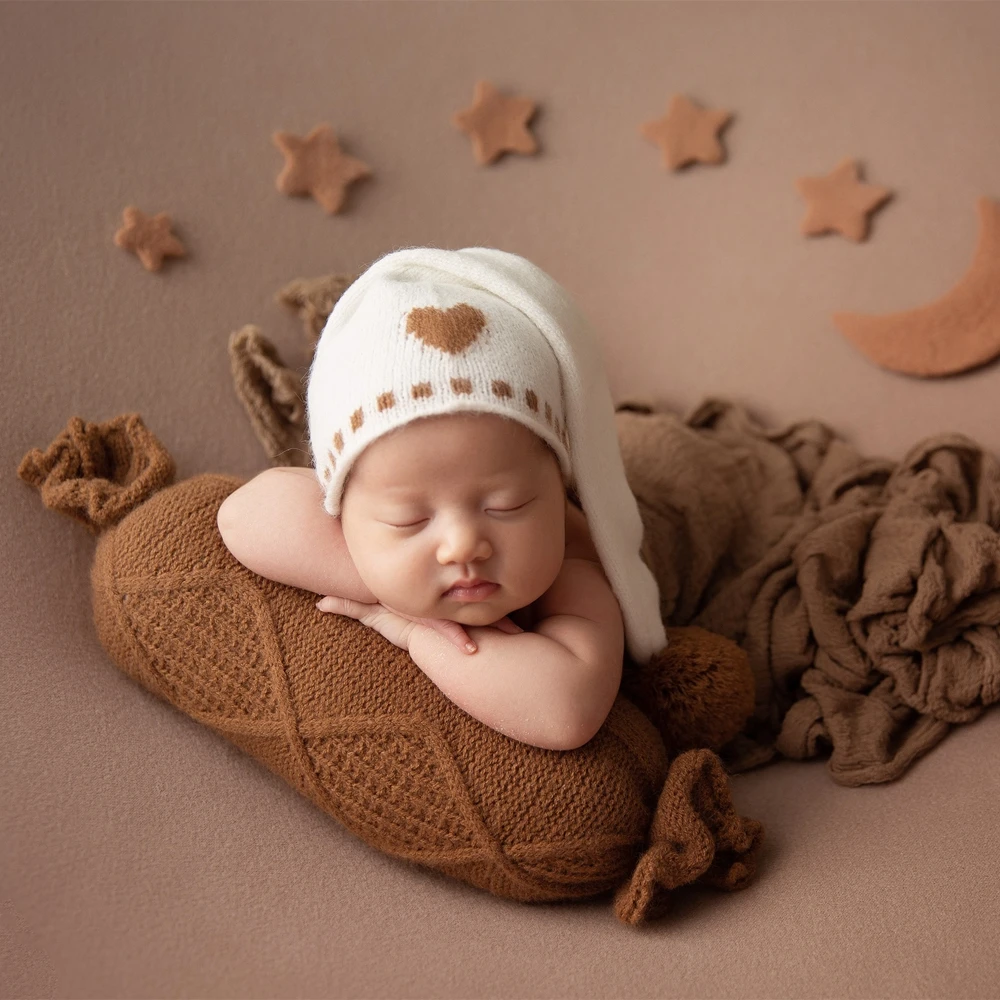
489 510
509 510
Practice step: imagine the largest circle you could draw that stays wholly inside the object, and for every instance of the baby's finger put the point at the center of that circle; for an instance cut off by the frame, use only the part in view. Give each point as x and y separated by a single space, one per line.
343 606
453 632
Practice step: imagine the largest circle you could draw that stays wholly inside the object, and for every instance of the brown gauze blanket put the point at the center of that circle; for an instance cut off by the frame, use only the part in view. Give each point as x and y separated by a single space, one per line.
866 592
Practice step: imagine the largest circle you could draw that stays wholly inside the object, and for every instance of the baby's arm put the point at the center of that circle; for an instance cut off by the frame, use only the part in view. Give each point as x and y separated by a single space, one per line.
276 526
552 687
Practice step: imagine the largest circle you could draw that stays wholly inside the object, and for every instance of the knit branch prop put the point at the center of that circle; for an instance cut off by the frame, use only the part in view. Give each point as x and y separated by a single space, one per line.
271 393
349 720
866 592
272 396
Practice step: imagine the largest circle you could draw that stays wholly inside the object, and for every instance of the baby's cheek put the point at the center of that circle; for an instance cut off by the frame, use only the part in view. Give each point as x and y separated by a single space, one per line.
548 548
405 582
374 569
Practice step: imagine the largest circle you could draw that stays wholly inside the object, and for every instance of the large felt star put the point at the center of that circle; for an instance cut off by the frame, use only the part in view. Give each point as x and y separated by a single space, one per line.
496 124
150 239
840 202
688 133
317 166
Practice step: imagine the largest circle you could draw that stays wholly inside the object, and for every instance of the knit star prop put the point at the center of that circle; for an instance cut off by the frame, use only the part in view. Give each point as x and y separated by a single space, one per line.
840 202
150 239
496 124
688 133
317 166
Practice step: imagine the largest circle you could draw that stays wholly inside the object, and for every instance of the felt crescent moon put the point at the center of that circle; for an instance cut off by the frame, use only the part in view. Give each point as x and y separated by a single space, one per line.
959 331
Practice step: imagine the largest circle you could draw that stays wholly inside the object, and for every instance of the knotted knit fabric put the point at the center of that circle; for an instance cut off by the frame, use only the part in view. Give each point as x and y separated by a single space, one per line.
349 720
425 331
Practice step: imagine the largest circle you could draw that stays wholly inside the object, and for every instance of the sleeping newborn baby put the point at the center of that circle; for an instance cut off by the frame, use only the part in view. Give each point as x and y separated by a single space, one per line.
442 510
449 525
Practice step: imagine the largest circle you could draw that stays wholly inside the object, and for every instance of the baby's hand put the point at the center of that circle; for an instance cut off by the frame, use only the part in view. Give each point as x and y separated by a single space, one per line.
389 625
455 632
396 628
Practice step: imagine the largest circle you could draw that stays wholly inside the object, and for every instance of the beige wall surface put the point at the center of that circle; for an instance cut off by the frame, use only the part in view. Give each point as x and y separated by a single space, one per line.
145 857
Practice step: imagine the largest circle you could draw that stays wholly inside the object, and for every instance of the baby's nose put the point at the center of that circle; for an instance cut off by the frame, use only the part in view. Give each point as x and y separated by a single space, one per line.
464 543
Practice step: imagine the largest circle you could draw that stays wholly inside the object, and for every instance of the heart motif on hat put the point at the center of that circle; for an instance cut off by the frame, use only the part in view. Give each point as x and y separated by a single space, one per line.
451 330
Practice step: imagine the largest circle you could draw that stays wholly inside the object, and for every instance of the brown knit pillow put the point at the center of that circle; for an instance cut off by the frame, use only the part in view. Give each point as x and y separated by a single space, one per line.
348 719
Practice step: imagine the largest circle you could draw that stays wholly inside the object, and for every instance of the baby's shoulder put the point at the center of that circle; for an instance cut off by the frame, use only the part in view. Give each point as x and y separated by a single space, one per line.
581 589
579 543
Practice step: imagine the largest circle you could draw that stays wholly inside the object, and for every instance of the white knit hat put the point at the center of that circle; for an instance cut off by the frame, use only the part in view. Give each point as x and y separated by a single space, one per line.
426 331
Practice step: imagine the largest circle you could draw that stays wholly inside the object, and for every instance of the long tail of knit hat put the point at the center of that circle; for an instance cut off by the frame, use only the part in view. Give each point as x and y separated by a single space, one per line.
460 289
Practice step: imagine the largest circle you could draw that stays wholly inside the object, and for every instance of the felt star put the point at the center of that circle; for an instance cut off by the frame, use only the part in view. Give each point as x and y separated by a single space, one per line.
150 239
317 166
839 201
496 124
688 133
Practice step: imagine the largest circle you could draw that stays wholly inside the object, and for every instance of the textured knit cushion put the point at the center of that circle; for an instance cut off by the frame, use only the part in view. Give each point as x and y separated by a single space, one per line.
352 723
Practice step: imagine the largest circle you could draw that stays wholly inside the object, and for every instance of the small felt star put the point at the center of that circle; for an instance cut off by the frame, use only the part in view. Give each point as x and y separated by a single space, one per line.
688 133
839 201
317 166
496 124
150 239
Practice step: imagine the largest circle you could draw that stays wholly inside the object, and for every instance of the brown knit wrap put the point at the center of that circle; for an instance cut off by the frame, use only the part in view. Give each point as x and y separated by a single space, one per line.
348 720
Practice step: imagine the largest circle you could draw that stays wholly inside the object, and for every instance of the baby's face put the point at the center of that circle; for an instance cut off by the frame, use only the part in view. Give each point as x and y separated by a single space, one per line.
460 496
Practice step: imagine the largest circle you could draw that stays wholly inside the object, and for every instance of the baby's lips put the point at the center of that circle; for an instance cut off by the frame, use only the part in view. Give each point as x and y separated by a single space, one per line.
448 590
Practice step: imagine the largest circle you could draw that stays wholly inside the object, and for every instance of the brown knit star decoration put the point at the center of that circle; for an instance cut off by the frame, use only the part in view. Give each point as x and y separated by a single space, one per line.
150 239
317 166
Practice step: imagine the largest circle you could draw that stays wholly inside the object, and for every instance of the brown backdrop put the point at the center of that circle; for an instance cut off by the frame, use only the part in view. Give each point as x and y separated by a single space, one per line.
142 856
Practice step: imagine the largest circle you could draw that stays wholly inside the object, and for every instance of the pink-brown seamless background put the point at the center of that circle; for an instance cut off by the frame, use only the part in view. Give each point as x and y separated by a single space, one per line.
143 856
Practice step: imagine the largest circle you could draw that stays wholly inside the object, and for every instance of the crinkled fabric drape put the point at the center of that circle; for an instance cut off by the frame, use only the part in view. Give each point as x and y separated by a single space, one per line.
866 592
